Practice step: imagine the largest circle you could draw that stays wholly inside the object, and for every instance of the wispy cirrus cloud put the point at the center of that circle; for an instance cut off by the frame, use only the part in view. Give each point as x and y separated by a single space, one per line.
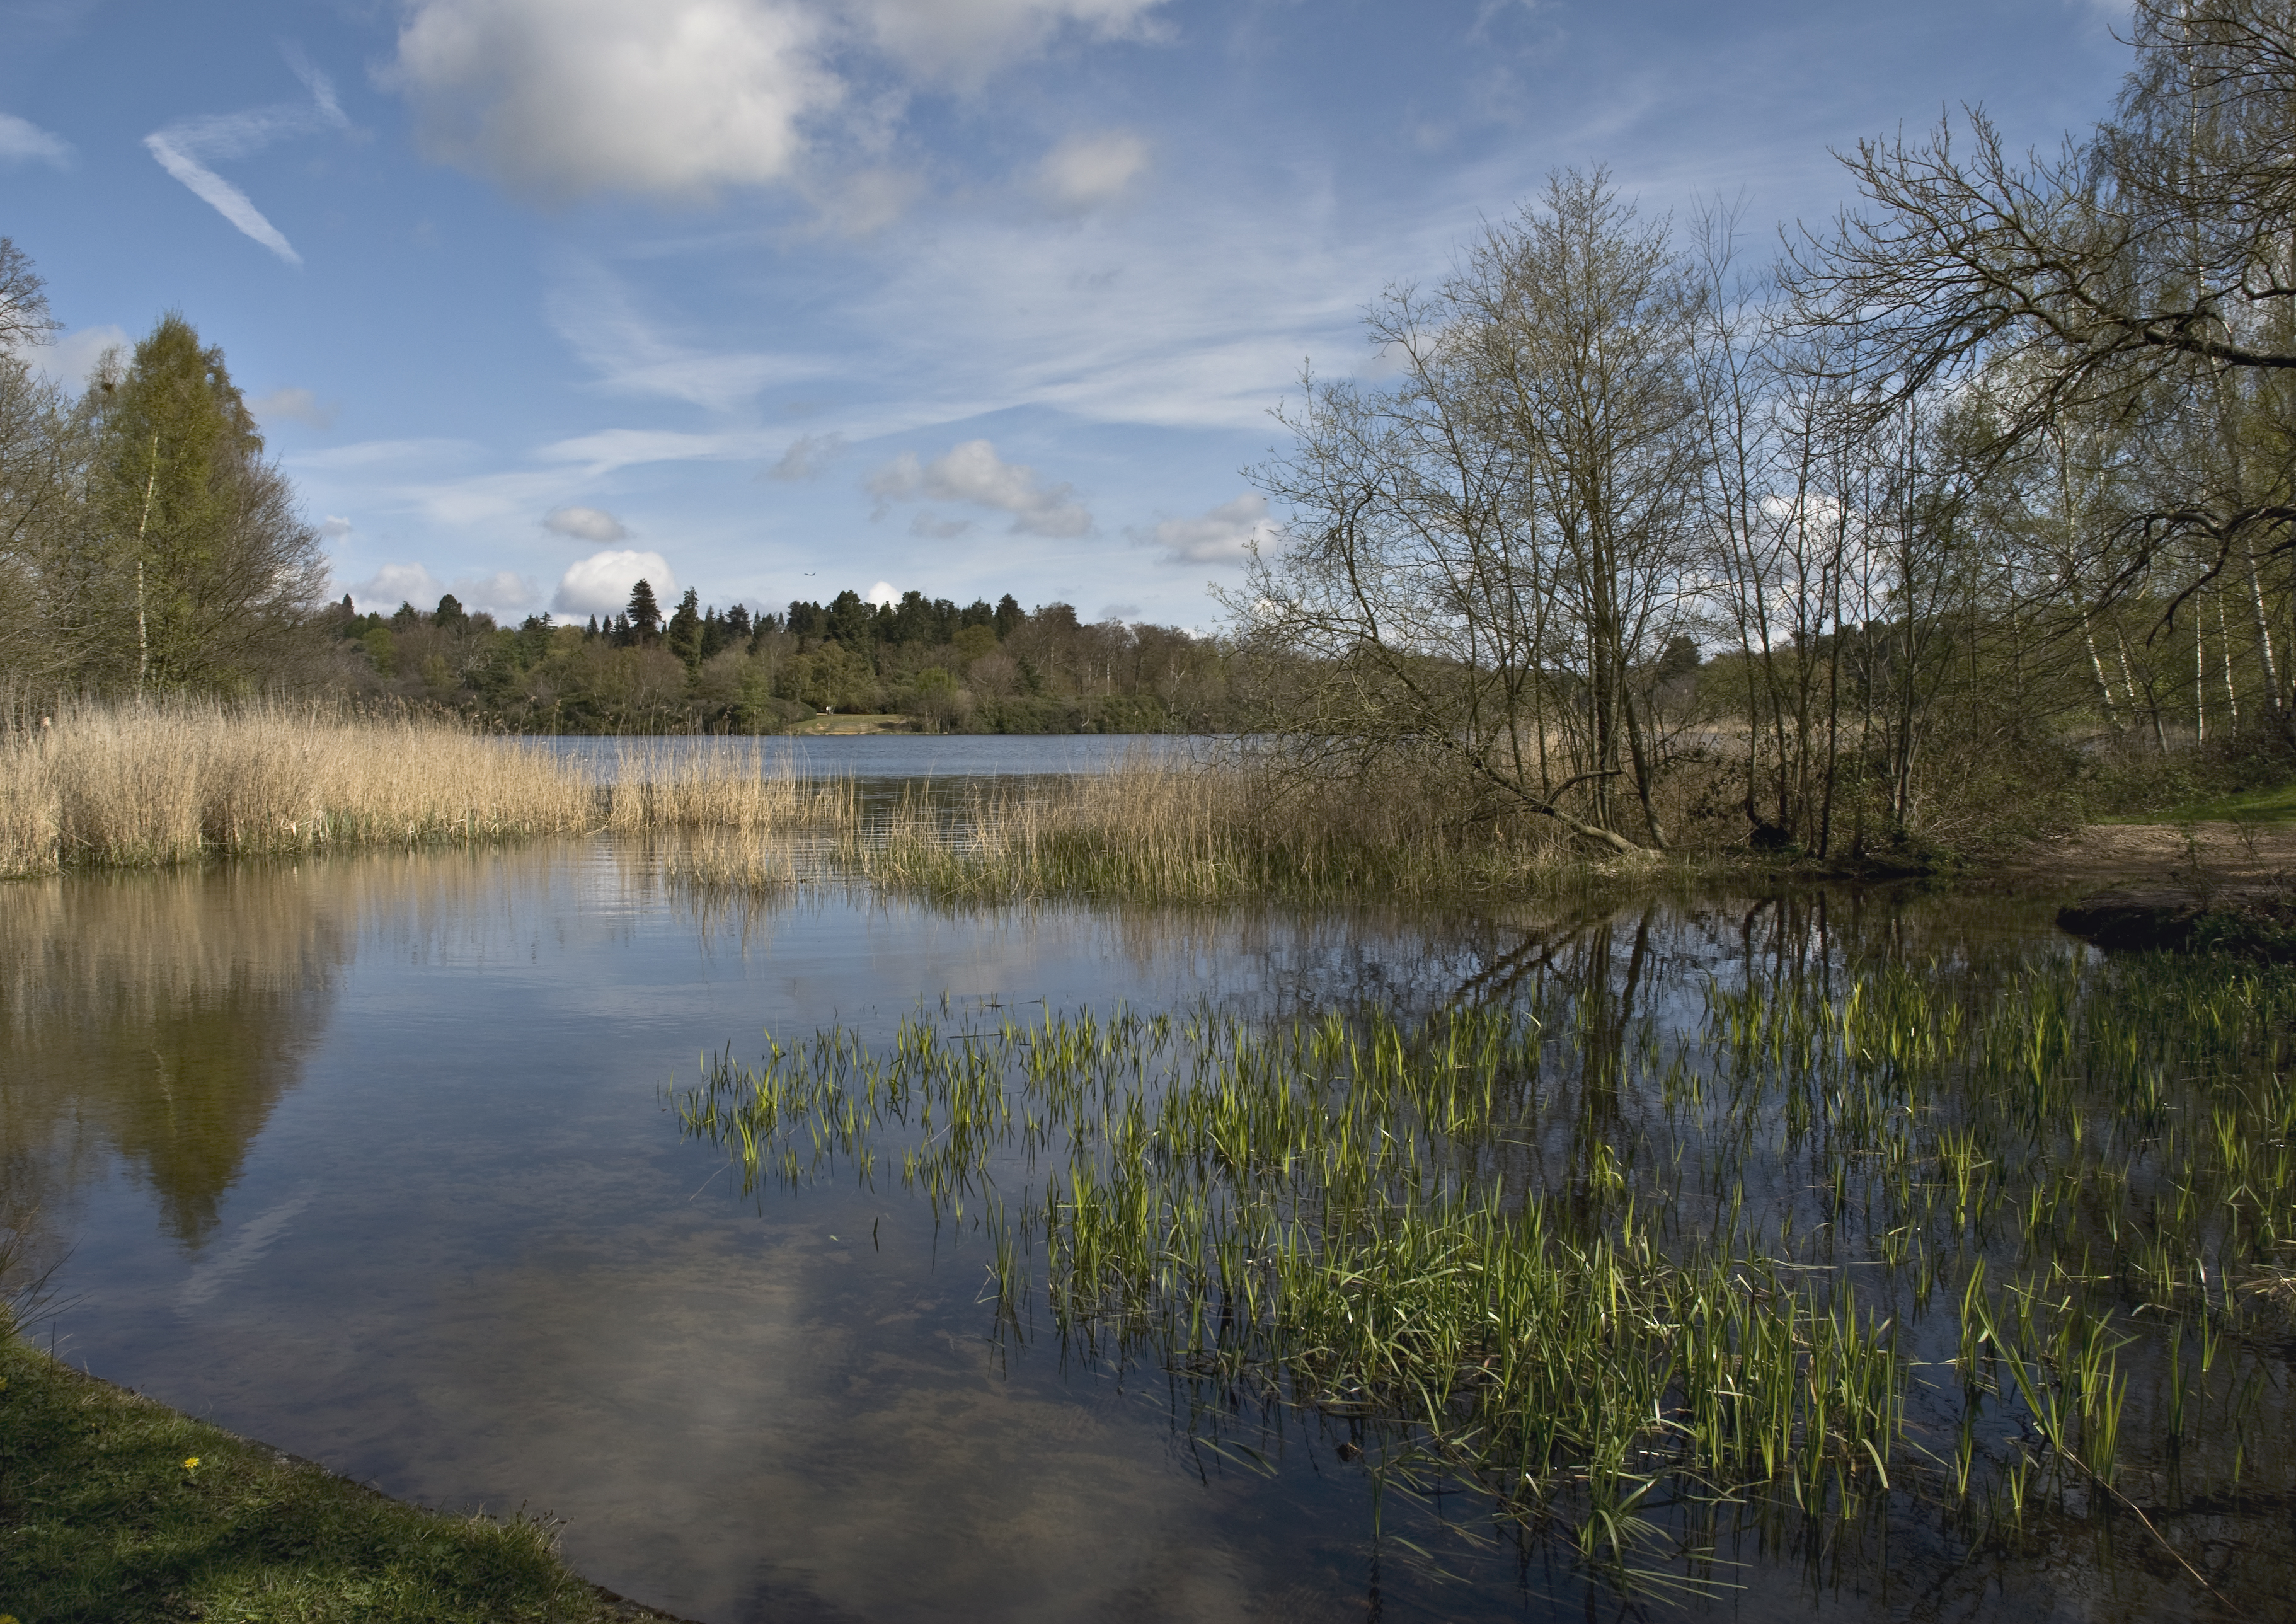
189 147
21 141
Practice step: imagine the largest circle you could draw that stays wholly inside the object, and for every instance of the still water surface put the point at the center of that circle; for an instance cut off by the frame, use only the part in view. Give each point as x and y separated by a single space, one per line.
369 1157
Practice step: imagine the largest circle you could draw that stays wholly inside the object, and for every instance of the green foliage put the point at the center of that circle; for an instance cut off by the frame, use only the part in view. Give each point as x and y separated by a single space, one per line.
192 568
113 1507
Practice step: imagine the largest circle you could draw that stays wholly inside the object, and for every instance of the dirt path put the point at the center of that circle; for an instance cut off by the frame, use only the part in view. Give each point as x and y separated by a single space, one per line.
2185 855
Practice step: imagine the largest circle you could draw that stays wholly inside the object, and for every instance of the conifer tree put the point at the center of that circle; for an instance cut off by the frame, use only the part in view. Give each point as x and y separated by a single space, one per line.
645 613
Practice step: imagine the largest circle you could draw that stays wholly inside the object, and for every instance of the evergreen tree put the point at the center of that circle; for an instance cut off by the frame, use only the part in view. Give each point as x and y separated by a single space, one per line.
450 615
1010 617
644 614
850 621
683 633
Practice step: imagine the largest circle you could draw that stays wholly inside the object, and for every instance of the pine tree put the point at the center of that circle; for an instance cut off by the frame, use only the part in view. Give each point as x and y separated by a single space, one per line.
645 613
683 633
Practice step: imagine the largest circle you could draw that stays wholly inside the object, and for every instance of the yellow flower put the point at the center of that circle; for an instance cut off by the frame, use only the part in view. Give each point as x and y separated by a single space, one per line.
191 1463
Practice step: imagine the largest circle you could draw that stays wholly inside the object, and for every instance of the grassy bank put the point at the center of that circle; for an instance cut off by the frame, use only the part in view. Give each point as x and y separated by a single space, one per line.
115 1507
173 781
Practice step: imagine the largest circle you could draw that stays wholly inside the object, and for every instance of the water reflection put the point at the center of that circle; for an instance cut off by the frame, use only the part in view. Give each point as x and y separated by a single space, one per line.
157 1019
366 1157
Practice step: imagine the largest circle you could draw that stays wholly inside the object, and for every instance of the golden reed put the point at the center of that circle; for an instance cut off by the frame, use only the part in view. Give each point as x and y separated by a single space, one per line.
174 781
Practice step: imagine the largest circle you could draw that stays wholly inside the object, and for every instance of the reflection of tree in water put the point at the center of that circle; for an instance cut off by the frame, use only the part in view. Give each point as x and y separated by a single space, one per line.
157 1018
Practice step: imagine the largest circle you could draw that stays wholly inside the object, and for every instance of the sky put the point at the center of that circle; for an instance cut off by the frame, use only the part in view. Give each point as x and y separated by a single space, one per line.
775 298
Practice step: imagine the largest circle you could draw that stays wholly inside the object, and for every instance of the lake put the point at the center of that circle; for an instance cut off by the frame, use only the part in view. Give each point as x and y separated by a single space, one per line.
378 1159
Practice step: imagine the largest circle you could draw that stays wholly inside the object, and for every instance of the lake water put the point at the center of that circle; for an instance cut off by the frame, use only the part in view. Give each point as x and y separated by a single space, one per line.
369 1158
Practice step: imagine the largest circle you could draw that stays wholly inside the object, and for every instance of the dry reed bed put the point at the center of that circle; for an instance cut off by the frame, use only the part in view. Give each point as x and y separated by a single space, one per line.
173 781
1151 831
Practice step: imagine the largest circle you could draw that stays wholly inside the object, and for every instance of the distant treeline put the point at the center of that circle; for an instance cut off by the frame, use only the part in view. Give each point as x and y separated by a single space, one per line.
980 668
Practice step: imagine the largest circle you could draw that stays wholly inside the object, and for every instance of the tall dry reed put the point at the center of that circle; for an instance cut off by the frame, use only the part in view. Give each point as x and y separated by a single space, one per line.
674 784
171 781
1161 831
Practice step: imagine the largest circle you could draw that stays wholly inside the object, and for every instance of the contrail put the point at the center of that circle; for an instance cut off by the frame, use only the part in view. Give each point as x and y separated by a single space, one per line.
182 147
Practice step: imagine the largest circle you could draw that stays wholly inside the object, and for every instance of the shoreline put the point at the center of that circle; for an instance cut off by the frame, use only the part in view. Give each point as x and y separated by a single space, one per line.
242 1519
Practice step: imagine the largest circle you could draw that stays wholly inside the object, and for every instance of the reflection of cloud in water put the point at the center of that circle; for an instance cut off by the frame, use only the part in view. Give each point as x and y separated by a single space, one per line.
255 1237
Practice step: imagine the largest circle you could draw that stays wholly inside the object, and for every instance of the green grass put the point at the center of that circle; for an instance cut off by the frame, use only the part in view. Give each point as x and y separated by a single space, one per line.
2273 804
103 1516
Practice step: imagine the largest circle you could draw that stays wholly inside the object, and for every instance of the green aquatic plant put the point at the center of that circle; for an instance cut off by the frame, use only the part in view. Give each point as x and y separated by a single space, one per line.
1853 1239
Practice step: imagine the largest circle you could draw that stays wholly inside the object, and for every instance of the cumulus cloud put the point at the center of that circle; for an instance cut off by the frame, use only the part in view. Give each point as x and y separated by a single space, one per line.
678 98
599 583
186 148
395 584
936 527
504 595
24 141
585 524
883 593
808 455
293 405
1217 537
973 472
560 98
334 527
1085 171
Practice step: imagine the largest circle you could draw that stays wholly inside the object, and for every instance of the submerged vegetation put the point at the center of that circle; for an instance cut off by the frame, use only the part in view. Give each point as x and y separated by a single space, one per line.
1995 1257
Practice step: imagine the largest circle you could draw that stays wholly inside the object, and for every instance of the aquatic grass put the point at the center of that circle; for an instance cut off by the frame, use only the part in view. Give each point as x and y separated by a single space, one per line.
2007 1241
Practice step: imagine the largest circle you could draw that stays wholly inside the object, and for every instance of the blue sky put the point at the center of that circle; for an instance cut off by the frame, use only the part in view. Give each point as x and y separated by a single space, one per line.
776 297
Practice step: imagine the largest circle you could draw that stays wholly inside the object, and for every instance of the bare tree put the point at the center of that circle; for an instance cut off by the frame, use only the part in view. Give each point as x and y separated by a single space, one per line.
1485 555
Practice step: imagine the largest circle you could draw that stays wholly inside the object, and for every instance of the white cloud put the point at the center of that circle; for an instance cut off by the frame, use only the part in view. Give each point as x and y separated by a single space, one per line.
72 359
609 449
934 526
674 98
594 313
293 405
962 42
808 455
24 141
585 524
184 147
859 203
334 527
395 584
883 593
678 98
1087 171
504 595
973 472
600 585
1217 537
